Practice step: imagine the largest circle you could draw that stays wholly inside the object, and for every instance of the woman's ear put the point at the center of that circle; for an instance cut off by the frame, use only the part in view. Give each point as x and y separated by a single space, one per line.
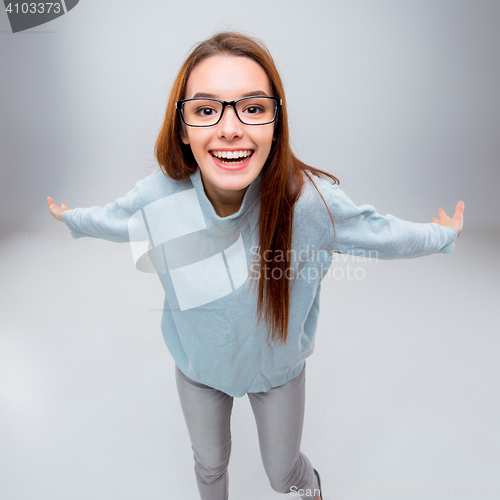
184 136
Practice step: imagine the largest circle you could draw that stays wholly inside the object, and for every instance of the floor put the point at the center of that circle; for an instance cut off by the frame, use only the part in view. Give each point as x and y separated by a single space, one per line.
402 390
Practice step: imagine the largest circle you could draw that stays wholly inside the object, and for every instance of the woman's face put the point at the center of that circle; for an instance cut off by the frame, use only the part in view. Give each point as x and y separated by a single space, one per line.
228 78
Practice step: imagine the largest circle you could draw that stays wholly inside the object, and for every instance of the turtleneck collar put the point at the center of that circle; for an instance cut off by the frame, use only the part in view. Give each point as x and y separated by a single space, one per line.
250 199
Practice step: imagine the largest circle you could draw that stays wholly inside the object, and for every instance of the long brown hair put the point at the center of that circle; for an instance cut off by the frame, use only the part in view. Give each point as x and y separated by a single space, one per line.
282 176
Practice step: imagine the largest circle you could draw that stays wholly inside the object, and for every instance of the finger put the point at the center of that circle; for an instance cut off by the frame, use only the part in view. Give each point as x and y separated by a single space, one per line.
54 209
435 220
64 205
459 210
458 218
445 219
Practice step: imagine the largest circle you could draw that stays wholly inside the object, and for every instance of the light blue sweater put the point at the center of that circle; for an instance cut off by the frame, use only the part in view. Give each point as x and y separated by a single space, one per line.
207 265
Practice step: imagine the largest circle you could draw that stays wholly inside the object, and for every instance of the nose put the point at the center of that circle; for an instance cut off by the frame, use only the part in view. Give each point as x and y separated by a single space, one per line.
230 126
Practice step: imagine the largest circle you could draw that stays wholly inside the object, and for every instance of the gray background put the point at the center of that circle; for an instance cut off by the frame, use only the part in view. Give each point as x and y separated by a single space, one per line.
400 101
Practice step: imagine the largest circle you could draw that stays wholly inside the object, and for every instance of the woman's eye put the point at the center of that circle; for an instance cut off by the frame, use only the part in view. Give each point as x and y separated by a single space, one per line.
205 111
252 110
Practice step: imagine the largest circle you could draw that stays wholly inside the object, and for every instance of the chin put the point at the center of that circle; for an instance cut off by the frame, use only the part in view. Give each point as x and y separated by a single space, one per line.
234 184
234 180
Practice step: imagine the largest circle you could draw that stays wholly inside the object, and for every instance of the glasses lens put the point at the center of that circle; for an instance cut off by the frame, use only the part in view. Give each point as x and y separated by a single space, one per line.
201 112
256 110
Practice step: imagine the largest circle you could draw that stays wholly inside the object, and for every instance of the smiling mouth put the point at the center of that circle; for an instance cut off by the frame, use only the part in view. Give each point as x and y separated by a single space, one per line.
232 157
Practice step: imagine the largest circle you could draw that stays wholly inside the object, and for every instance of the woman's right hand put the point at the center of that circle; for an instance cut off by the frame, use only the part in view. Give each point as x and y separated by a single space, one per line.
457 221
55 210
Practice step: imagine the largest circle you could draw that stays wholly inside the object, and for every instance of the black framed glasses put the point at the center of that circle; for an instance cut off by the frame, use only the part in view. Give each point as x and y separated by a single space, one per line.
207 112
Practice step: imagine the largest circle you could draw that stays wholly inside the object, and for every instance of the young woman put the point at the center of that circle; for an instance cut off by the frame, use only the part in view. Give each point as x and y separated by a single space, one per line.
241 234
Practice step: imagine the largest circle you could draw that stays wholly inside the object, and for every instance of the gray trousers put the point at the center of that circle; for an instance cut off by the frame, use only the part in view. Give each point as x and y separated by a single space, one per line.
279 414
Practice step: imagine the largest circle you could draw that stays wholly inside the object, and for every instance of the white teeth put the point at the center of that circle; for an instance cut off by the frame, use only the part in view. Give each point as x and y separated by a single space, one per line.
232 154
233 163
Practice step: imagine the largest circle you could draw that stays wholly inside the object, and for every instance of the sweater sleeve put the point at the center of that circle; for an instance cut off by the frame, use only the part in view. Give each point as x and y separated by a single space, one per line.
111 221
363 231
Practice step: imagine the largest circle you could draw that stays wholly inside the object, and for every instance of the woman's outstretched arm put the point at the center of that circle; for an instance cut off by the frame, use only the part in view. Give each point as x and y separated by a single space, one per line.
361 230
111 222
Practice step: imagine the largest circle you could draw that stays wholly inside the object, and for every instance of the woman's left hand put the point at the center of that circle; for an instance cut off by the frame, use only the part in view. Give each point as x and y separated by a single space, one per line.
457 221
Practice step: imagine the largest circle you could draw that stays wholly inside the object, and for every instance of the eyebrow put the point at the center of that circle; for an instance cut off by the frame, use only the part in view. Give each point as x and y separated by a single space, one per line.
213 96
